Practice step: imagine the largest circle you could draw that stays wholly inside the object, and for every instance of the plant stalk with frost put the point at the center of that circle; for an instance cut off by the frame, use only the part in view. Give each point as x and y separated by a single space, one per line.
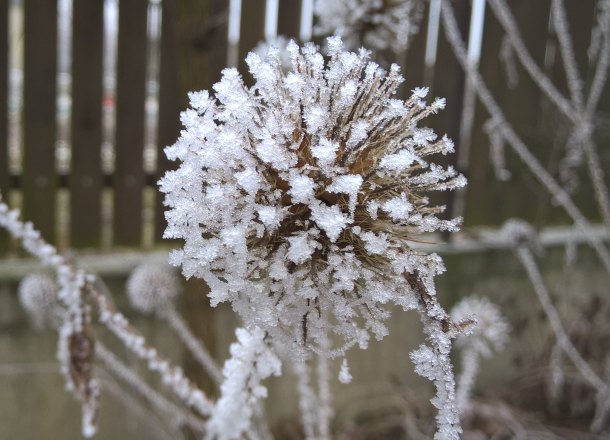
151 288
297 199
489 333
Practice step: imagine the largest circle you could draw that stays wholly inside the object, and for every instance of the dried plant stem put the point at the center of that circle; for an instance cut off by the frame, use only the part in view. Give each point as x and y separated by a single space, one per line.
527 260
518 146
439 330
324 409
307 399
574 110
131 378
601 71
173 376
130 403
507 20
195 346
466 378
584 121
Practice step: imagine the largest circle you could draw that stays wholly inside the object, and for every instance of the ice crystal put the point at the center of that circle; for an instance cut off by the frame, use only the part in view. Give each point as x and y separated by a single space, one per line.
376 24
296 198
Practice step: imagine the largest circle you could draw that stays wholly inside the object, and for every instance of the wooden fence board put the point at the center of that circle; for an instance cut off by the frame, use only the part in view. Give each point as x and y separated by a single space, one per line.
86 167
4 166
39 100
131 81
193 53
252 32
412 61
448 82
289 18
170 103
489 201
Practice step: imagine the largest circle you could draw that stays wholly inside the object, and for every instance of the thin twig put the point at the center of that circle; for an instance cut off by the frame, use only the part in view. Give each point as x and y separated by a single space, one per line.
195 346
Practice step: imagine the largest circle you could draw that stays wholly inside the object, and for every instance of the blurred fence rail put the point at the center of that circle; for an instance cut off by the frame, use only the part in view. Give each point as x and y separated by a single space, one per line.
90 94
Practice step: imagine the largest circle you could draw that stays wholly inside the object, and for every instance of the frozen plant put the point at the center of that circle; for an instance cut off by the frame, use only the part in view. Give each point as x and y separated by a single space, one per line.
489 334
38 296
251 362
375 24
297 198
152 287
271 46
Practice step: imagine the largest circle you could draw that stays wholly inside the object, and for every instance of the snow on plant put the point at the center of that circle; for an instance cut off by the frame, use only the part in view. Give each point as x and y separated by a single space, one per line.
251 362
489 334
376 24
300 194
297 198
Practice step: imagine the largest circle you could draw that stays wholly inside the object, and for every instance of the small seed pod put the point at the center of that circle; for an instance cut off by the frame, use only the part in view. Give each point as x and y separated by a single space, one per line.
151 287
491 331
38 296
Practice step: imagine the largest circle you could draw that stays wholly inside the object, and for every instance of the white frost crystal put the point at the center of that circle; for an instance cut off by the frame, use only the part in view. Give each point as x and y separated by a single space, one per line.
296 197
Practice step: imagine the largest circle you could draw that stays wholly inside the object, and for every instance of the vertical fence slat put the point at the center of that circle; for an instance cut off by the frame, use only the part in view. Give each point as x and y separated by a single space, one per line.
448 82
39 100
219 9
131 82
170 103
193 53
412 65
289 18
86 171
4 166
252 31
490 201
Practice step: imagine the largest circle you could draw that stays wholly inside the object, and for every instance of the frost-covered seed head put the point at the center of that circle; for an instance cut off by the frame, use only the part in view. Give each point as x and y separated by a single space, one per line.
376 24
275 46
490 331
297 197
38 296
151 287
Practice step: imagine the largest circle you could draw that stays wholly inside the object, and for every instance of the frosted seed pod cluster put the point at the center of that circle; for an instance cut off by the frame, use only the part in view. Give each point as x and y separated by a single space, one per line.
151 287
296 197
38 296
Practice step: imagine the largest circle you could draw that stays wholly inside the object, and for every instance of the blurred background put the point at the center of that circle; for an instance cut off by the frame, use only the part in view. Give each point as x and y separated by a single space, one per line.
91 92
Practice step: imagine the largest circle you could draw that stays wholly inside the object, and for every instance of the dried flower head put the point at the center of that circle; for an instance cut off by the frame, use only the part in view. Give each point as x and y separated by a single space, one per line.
38 296
490 331
376 24
297 197
151 287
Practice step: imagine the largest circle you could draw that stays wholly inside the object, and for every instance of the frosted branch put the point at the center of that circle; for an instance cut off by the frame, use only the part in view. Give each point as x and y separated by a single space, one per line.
518 146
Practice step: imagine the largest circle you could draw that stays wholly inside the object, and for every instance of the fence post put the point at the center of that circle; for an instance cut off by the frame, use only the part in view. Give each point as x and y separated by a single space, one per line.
85 170
131 87
39 127
4 165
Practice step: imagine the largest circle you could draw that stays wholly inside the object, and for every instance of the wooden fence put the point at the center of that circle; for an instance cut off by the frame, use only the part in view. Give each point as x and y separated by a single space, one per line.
73 205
